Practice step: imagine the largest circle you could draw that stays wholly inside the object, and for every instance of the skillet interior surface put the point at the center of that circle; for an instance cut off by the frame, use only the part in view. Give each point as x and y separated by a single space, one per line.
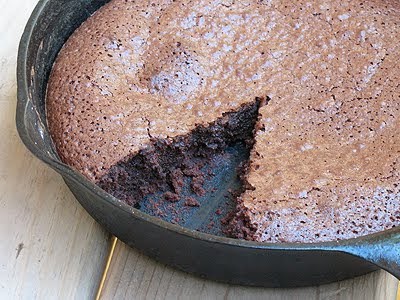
205 254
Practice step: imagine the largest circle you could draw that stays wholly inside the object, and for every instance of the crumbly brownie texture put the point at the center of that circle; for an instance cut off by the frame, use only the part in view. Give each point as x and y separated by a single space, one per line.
325 163
163 164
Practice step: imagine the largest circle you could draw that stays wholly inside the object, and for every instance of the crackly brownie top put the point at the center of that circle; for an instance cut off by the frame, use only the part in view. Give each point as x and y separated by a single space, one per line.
141 69
326 161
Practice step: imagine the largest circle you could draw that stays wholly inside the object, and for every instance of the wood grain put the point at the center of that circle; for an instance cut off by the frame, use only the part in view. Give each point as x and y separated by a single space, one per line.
132 275
50 248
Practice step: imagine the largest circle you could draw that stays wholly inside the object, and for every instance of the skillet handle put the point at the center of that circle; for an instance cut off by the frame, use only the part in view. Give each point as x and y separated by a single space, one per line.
383 250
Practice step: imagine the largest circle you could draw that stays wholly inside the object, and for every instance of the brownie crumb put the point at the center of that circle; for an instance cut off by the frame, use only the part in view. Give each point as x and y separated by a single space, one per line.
177 180
238 224
192 202
228 218
171 197
197 186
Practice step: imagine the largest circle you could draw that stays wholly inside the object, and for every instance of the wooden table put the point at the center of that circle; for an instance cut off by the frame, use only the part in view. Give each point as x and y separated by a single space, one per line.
51 248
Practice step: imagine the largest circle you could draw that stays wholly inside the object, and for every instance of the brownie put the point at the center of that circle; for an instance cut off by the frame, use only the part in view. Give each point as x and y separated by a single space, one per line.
144 93
325 165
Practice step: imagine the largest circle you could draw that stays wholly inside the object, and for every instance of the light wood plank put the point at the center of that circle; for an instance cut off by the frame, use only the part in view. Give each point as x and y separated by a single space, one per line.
51 248
132 275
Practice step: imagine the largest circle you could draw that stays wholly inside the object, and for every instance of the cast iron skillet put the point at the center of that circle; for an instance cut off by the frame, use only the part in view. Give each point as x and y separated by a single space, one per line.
209 256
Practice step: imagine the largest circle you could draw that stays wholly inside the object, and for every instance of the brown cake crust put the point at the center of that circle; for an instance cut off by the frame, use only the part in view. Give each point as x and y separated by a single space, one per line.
326 158
326 164
141 69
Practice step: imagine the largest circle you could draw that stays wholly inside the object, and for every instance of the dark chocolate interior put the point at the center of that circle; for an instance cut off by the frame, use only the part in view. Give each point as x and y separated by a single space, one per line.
173 176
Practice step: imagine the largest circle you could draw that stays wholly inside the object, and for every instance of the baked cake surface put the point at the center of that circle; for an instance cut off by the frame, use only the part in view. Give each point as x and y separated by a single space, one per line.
325 160
326 164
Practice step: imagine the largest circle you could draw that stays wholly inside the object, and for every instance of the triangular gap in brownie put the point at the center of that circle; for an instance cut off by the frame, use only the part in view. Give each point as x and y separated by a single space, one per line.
164 163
